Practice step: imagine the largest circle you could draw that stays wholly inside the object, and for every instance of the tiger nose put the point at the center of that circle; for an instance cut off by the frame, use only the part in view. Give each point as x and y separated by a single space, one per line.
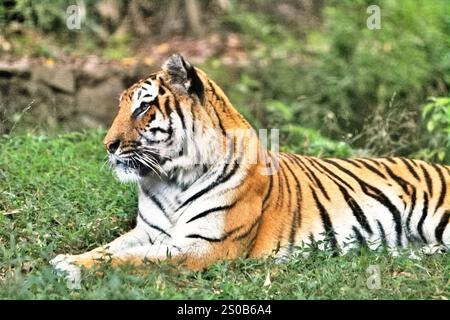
112 146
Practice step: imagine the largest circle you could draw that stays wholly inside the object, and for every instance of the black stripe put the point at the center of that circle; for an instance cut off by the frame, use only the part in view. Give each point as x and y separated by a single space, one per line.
151 119
269 190
155 130
280 200
247 232
180 114
317 162
214 93
160 206
306 171
288 188
326 222
371 168
161 81
448 169
382 233
414 162
374 161
196 85
377 195
219 120
148 236
439 231
427 180
152 225
401 182
213 90
169 132
351 161
314 179
224 237
167 107
160 229
223 178
423 217
411 211
206 212
359 237
193 117
443 186
410 168
356 210
333 179
280 185
155 103
296 215
198 236
391 160
256 222
161 91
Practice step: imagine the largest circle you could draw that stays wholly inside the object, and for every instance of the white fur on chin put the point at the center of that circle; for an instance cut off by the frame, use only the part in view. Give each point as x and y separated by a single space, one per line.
126 175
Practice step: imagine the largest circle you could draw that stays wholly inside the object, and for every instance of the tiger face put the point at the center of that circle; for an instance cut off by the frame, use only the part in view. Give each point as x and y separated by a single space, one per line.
151 127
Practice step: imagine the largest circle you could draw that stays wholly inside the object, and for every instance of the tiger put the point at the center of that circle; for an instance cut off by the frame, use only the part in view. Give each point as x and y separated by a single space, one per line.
209 190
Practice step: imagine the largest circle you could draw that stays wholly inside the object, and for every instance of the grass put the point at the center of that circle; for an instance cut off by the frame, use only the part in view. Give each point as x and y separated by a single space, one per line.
55 197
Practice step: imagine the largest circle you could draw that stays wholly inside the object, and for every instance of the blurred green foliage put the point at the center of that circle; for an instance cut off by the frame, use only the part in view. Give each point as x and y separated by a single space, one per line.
48 22
46 15
362 69
341 79
436 115
318 81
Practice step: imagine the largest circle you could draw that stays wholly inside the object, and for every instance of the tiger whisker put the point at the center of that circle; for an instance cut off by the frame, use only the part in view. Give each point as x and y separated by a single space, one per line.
152 151
146 163
155 163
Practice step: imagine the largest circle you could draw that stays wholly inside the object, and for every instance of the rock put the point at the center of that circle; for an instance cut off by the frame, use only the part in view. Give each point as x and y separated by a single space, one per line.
100 102
20 68
91 74
137 72
60 77
65 107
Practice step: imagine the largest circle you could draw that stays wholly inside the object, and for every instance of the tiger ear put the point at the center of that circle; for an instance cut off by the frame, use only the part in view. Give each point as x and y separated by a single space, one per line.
183 76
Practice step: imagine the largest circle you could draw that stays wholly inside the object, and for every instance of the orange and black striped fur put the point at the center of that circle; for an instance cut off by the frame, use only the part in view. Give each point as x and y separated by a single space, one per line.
201 199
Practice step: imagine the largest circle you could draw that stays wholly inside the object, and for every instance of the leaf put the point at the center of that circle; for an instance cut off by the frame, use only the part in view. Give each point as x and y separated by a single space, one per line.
427 109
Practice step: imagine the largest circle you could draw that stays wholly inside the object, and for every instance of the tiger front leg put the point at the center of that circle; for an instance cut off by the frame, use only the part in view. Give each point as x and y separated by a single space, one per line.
121 250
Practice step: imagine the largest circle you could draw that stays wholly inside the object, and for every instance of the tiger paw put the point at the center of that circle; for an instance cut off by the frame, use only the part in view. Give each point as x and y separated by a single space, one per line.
431 249
64 265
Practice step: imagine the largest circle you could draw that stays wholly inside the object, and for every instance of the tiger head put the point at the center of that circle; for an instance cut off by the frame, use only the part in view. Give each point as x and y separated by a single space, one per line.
170 124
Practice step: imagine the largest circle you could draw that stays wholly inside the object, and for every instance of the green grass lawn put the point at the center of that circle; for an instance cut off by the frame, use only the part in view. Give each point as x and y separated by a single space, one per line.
57 196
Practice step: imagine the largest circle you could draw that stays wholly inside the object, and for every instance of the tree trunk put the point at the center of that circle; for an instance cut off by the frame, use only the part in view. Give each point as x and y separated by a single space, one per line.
193 12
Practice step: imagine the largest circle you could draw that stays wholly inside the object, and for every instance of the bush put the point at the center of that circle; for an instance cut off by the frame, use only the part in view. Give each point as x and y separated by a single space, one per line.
436 115
342 77
361 69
